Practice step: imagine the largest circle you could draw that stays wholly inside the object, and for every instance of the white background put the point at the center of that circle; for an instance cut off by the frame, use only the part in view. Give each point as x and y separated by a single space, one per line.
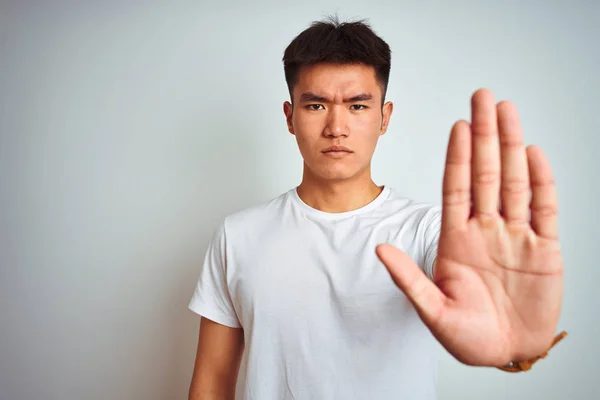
128 130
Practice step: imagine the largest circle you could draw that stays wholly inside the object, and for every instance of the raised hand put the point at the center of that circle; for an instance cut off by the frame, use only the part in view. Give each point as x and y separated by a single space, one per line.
497 292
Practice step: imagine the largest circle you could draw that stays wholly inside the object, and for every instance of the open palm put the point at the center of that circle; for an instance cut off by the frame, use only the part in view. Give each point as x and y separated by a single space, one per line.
497 292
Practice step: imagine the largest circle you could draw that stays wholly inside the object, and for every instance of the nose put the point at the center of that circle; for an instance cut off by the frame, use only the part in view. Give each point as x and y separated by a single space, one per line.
336 123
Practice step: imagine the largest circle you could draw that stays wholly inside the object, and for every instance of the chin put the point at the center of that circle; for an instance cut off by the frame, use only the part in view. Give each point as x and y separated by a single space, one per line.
336 174
336 177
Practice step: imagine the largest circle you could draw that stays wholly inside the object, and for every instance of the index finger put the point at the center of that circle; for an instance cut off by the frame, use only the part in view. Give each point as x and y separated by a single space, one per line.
456 192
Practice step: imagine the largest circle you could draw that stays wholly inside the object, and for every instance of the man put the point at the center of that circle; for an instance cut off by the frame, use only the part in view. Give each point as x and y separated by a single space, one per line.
298 281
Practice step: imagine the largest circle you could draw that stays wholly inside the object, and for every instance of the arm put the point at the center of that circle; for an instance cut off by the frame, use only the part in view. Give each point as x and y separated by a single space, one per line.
220 350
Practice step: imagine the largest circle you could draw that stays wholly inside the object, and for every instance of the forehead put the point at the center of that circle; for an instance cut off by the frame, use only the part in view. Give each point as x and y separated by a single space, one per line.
333 80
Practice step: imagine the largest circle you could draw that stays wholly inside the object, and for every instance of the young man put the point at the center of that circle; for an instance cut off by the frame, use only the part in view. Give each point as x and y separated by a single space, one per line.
299 281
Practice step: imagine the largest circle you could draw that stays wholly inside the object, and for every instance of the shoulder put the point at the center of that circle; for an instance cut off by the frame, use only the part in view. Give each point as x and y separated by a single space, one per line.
254 217
411 210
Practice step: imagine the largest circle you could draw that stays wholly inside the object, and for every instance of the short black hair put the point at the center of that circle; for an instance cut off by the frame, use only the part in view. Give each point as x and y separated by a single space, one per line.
332 41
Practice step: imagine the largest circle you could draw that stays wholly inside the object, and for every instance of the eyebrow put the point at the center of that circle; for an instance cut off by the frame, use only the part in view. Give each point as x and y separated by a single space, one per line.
309 96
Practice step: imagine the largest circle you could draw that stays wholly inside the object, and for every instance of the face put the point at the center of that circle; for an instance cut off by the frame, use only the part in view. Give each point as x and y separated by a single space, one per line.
337 118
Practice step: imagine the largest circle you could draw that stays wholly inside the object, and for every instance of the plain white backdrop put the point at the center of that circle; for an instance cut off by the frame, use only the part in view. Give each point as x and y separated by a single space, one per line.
128 131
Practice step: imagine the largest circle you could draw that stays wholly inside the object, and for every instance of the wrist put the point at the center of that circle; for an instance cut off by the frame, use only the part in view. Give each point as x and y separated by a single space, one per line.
521 366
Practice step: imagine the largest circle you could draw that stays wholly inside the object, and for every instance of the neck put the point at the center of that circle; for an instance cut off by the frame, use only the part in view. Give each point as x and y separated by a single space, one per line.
338 196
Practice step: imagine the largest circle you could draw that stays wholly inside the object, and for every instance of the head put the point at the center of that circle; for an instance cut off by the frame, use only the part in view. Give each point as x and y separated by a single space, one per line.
337 76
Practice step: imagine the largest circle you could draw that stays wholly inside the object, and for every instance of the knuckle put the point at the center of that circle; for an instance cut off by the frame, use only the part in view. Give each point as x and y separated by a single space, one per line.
511 141
545 210
454 160
515 186
483 128
456 196
486 177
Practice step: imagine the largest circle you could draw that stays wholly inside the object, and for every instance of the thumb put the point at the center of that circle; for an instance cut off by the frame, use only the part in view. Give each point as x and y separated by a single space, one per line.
426 297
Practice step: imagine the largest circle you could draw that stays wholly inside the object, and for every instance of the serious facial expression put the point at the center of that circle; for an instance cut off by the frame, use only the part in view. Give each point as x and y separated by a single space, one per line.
337 118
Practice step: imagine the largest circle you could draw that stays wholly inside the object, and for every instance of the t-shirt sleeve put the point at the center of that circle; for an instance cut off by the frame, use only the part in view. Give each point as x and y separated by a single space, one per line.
433 221
211 298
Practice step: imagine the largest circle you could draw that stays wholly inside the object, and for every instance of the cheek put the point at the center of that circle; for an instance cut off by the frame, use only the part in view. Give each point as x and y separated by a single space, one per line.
373 121
310 125
367 130
308 131
365 122
306 144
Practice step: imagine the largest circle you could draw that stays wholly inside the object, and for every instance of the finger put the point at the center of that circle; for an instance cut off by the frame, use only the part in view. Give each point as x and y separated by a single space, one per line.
515 187
456 189
544 199
486 154
426 297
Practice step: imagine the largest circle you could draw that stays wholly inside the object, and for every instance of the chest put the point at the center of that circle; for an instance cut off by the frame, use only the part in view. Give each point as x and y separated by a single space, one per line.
317 276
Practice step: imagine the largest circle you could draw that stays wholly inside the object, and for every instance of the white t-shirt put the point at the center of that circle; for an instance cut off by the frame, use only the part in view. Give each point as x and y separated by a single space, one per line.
321 315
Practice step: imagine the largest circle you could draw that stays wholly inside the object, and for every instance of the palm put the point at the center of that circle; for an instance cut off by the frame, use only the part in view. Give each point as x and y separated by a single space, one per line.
503 293
497 290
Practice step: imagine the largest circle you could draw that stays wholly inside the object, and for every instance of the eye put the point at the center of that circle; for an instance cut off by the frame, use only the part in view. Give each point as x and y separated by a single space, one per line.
314 107
358 107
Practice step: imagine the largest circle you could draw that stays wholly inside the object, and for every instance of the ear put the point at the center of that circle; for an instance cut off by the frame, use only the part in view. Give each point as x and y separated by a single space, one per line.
288 110
386 112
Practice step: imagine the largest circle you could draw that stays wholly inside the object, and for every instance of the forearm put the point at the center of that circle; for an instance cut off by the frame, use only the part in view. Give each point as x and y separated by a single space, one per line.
212 385
211 394
220 350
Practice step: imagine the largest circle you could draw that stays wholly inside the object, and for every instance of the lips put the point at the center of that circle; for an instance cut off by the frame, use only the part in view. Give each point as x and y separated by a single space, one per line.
337 152
337 149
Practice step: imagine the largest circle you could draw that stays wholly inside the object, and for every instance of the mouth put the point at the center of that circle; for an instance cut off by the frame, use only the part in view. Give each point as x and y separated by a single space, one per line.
336 149
337 152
